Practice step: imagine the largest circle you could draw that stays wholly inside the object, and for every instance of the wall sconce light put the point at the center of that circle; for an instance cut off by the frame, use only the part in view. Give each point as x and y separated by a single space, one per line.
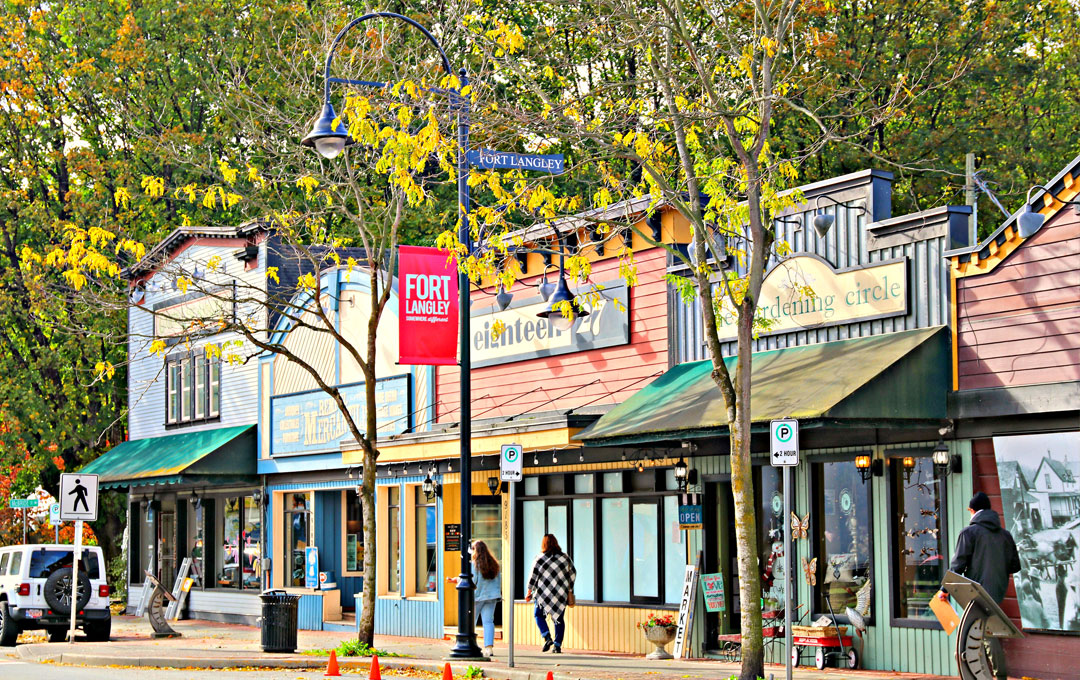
681 472
944 463
909 467
493 485
868 467
431 488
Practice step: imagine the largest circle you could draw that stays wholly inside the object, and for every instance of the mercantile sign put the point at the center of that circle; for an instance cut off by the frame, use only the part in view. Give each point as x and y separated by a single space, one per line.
804 293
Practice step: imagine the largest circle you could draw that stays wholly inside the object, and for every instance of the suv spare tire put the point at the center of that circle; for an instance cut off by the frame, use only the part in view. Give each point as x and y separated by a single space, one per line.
58 591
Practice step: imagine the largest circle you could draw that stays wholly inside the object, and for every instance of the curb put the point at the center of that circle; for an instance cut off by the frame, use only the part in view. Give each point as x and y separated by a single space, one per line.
40 653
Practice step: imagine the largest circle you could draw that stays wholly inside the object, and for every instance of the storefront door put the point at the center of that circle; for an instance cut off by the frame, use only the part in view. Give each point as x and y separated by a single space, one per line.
487 527
167 549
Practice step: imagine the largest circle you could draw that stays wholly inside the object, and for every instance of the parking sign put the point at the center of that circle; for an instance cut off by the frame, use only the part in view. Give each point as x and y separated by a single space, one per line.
784 439
510 463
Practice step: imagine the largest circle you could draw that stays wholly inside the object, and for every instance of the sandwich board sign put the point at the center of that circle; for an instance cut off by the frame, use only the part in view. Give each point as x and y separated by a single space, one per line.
78 497
510 463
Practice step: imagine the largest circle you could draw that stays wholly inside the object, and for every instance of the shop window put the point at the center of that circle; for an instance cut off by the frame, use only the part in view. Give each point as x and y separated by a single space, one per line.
229 554
297 536
674 550
583 483
646 551
427 553
251 556
584 549
615 550
196 512
393 583
354 533
842 520
192 388
613 482
769 485
918 553
531 486
241 534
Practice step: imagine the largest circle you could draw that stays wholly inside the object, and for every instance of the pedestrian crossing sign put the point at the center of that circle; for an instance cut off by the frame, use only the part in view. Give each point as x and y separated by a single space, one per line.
78 497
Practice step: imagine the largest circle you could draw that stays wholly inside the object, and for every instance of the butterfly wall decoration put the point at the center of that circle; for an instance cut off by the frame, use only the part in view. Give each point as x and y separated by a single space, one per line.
810 569
799 527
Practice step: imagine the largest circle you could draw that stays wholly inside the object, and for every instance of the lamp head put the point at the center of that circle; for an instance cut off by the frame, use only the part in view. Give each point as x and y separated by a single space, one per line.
545 287
503 299
554 314
325 137
493 485
823 222
1029 221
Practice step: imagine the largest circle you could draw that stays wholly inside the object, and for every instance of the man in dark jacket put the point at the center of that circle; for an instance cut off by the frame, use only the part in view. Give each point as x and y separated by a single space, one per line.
986 553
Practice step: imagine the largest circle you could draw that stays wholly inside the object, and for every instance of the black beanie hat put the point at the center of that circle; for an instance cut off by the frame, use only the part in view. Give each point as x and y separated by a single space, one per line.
979 501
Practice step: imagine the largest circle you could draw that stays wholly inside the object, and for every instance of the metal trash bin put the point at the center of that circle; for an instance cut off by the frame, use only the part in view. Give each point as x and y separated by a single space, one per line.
279 621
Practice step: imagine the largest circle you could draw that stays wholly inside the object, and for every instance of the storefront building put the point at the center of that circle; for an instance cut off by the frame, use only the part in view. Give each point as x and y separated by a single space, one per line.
316 537
864 366
189 464
1016 370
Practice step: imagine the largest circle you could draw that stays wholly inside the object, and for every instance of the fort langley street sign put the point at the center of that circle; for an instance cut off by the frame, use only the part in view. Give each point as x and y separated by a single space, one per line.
489 159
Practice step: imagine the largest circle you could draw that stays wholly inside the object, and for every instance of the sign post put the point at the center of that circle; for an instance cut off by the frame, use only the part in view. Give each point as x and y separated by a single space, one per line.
25 504
78 503
784 452
510 466
54 520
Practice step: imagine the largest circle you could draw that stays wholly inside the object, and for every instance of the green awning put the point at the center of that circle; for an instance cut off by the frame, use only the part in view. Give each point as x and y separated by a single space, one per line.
882 377
222 456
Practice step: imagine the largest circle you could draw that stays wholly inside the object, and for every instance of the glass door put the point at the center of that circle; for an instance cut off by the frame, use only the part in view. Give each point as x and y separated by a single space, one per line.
487 527
167 549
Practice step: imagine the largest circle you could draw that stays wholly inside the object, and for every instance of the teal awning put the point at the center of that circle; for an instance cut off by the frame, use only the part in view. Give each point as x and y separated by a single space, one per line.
882 377
222 456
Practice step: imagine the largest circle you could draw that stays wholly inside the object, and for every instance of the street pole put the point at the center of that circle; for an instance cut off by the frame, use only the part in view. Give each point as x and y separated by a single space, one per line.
787 571
24 526
466 647
508 611
75 580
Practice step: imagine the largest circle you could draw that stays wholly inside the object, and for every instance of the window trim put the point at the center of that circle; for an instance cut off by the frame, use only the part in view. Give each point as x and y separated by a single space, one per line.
194 364
411 550
891 508
286 549
817 522
345 534
655 495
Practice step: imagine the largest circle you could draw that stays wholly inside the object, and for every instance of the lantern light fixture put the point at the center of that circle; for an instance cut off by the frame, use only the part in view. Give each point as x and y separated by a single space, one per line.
909 466
681 473
493 485
868 467
430 487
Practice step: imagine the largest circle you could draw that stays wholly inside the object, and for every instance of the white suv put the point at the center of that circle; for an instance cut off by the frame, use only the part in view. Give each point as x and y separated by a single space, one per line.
35 592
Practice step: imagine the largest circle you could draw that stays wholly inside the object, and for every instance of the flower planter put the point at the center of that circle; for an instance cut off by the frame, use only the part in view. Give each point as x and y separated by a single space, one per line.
660 636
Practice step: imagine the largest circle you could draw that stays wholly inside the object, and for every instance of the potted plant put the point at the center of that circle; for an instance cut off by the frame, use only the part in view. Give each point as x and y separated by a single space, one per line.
659 630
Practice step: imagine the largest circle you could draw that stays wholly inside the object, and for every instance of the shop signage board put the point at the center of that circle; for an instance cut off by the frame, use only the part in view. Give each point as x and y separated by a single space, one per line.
310 422
510 463
525 336
690 514
805 292
712 587
78 497
784 442
427 307
311 567
452 537
23 503
489 159
686 607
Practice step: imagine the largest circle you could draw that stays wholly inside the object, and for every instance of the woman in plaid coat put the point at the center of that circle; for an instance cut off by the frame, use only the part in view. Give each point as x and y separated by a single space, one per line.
551 588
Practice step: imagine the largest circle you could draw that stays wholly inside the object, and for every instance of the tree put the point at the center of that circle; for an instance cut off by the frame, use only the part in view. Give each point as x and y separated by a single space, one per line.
348 213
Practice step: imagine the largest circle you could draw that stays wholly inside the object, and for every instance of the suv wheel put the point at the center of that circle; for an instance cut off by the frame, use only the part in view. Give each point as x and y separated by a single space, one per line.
57 634
58 590
9 629
98 631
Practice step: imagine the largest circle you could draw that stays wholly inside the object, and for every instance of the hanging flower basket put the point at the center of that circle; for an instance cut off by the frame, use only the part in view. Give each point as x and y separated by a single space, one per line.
660 631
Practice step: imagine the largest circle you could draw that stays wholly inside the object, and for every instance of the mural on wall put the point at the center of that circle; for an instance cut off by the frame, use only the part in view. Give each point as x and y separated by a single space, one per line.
1040 496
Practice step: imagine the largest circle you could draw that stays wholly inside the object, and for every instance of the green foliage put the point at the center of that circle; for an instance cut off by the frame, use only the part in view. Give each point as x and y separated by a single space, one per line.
353 648
474 673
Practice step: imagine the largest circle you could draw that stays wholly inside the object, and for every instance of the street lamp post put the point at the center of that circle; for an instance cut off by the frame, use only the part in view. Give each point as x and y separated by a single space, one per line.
330 140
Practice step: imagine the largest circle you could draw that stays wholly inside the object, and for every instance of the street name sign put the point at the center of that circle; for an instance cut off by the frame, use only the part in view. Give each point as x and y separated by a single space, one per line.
510 463
23 503
489 159
784 442
78 497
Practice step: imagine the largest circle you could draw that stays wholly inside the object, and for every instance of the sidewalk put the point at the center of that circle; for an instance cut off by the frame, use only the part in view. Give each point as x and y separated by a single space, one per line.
216 645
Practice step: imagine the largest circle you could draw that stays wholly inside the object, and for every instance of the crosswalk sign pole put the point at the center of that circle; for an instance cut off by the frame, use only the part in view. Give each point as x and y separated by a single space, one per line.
75 580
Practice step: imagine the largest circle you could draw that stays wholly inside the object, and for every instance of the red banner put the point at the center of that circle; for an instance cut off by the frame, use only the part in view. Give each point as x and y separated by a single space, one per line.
427 307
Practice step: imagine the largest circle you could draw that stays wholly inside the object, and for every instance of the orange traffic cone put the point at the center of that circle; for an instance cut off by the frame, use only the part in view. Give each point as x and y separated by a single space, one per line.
375 673
447 674
331 666
550 676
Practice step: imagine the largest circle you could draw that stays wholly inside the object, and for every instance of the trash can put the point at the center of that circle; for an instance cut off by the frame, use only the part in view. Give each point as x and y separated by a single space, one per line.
278 622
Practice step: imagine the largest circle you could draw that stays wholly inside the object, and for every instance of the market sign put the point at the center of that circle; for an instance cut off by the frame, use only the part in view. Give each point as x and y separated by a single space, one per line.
712 587
310 422
804 292
526 336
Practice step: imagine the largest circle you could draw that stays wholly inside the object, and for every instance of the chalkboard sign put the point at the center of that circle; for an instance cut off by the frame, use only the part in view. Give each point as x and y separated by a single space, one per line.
452 537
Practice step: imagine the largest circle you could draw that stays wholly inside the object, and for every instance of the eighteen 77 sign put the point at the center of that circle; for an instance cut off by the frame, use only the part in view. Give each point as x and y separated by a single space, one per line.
427 307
